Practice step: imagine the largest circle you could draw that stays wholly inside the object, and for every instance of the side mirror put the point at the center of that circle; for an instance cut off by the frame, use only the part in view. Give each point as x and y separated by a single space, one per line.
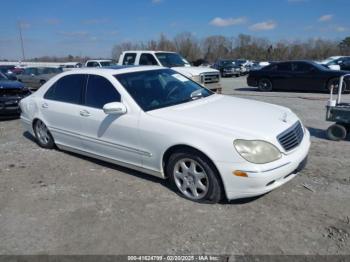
32 75
114 108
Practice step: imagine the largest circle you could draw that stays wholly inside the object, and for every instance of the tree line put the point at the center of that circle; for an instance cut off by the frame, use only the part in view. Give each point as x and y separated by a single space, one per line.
249 47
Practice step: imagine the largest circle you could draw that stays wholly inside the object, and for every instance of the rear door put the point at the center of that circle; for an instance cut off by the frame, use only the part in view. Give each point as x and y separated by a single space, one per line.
61 109
111 136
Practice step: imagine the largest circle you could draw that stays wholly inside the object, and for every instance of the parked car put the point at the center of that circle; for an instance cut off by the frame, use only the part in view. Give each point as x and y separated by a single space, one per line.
157 121
341 63
208 77
34 77
11 92
70 66
296 75
7 69
227 67
99 63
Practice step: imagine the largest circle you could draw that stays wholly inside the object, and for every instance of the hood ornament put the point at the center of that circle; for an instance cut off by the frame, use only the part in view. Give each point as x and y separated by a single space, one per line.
284 117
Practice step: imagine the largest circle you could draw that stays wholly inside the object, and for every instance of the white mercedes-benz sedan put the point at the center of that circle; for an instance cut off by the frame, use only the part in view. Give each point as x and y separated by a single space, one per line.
157 121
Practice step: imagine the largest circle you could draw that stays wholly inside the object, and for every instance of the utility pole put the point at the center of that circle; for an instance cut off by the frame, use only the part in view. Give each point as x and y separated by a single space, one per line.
21 39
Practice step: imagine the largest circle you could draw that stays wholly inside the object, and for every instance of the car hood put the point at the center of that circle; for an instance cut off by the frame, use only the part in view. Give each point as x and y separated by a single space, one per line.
9 84
236 117
190 71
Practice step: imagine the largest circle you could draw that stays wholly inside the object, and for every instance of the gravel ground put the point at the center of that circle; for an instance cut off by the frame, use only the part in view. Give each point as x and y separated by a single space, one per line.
53 202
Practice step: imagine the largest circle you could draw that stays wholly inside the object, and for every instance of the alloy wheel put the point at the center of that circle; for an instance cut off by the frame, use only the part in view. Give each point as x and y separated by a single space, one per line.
191 178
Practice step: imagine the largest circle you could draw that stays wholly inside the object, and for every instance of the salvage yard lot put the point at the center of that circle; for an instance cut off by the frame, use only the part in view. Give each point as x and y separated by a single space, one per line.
60 203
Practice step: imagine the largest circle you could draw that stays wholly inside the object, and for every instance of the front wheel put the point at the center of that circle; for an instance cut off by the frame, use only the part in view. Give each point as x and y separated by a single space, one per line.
336 132
43 135
265 85
193 176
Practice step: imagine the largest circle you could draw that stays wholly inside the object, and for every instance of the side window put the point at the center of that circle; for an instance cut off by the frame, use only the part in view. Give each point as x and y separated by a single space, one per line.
301 67
148 59
100 91
68 89
91 64
284 67
129 59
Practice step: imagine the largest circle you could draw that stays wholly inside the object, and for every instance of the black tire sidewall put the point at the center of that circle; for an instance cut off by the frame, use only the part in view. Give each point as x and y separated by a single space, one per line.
50 144
215 190
265 90
341 128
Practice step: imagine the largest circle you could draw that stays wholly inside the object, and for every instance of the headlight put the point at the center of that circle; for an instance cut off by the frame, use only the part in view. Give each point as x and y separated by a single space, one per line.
257 151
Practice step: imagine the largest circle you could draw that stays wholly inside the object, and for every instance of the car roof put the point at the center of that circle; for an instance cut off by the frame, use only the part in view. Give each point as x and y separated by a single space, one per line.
148 51
114 70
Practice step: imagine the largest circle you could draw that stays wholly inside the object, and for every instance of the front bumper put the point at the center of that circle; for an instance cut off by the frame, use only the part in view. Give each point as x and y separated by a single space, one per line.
9 107
252 81
263 178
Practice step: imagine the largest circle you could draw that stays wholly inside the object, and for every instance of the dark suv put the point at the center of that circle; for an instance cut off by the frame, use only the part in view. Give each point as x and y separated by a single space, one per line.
227 67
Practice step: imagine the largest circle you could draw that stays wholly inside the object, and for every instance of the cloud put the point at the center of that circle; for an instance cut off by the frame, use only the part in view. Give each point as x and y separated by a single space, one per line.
263 26
325 18
340 29
218 21
95 21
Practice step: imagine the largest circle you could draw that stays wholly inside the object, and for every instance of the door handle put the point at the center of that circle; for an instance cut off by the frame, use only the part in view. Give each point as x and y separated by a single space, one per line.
84 113
44 105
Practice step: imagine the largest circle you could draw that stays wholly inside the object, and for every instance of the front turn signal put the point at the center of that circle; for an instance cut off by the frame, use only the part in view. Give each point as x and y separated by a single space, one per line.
240 173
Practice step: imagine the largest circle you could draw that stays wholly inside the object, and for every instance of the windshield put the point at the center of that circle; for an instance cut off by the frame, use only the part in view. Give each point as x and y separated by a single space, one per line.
161 88
228 63
49 70
171 59
2 76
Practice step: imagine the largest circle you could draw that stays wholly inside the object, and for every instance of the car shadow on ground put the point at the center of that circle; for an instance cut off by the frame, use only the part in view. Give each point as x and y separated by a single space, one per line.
141 175
8 118
317 132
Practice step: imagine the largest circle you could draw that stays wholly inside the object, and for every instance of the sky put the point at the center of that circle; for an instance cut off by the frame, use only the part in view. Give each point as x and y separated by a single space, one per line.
92 27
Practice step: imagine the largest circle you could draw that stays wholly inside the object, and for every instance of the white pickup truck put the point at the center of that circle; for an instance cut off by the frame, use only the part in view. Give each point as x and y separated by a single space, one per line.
208 77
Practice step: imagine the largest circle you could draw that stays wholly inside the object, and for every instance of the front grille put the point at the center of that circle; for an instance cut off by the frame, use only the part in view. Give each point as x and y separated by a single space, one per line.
292 137
6 92
207 78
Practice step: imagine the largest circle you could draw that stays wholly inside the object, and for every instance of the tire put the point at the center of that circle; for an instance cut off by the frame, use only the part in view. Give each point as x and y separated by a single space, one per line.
334 82
336 132
42 135
42 82
193 176
265 85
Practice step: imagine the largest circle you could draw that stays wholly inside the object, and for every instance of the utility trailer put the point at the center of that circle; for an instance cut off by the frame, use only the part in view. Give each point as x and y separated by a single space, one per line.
338 112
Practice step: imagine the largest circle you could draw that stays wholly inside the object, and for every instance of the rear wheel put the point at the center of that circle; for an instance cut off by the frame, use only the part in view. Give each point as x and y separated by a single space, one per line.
265 85
336 132
43 135
193 176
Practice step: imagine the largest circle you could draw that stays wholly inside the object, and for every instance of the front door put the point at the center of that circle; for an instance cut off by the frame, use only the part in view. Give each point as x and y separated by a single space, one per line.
111 136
